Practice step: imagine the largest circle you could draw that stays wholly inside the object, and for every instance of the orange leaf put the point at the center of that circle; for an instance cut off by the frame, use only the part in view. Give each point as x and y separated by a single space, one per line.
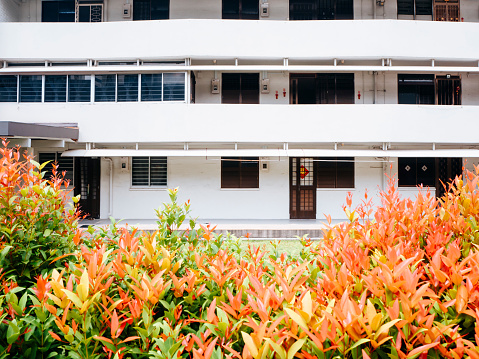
114 324
55 336
462 299
421 349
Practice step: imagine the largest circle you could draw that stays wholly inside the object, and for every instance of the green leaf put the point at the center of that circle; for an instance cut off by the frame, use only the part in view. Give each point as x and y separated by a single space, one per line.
358 343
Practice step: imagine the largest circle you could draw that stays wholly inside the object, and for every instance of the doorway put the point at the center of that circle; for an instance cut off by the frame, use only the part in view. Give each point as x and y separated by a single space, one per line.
87 184
302 188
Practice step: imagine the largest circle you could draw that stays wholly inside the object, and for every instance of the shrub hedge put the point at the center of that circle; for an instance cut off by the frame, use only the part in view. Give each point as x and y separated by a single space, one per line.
396 281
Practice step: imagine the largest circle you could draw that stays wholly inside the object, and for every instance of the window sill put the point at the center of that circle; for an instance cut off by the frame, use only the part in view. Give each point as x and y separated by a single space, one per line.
239 189
336 189
148 188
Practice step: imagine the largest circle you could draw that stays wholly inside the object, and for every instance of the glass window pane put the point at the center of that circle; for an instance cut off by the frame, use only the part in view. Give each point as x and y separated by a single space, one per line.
127 88
250 9
8 88
158 171
55 88
30 88
160 9
58 11
151 87
250 88
231 9
230 88
79 88
173 87
140 171
105 88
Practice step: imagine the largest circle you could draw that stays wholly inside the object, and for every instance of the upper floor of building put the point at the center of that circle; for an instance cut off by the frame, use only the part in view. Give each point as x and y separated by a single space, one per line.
133 10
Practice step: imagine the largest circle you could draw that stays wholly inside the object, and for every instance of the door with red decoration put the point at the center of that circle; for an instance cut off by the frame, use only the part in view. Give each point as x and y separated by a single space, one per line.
302 180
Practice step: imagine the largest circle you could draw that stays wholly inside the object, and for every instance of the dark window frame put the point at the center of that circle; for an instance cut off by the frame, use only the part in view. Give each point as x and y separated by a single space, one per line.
324 88
55 157
415 7
240 172
240 14
321 10
413 176
335 172
140 11
236 88
429 89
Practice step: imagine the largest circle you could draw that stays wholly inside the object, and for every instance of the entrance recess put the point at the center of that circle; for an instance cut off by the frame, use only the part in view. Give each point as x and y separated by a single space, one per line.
447 169
302 189
87 184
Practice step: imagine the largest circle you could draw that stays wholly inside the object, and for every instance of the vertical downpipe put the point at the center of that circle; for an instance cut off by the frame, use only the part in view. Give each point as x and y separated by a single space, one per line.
110 204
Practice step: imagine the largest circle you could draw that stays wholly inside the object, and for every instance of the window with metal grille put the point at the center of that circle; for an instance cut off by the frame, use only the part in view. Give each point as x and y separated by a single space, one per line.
414 7
151 9
58 11
321 9
127 88
105 88
30 88
416 171
55 88
79 88
239 172
149 171
241 9
8 88
65 164
240 88
335 172
151 87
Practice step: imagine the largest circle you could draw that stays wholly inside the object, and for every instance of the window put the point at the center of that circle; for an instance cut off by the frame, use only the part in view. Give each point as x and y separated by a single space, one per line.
55 88
335 172
320 9
127 87
416 89
90 11
105 88
64 164
58 11
30 88
416 171
8 88
79 88
151 87
429 89
240 88
446 10
239 172
414 7
149 171
151 9
322 88
173 87
241 9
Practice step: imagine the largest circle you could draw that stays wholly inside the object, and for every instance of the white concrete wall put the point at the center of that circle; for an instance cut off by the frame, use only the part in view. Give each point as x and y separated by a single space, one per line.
9 11
199 180
222 39
172 122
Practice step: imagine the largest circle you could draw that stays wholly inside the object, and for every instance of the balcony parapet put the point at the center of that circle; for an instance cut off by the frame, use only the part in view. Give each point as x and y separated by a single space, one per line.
244 40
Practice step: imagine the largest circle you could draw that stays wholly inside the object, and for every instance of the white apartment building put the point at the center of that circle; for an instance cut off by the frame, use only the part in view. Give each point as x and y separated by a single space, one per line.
255 109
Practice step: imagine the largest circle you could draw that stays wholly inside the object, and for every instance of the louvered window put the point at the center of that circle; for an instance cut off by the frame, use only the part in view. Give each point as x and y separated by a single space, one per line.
55 88
8 88
173 87
58 10
127 87
335 172
30 88
65 164
79 88
320 9
239 172
149 171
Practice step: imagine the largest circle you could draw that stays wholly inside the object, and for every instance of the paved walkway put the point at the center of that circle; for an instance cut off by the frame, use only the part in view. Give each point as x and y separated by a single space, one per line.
256 228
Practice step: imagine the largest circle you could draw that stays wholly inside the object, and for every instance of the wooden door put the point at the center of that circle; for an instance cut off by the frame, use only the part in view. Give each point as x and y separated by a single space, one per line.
302 188
87 184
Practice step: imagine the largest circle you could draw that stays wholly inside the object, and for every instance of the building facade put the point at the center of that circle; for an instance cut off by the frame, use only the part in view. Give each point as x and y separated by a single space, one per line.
254 109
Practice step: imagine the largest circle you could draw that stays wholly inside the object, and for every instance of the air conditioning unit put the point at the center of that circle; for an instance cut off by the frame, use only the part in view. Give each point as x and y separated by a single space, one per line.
264 164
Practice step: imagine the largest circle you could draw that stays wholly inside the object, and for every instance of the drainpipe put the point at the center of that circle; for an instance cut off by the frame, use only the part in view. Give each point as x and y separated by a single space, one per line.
110 204
374 9
374 87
